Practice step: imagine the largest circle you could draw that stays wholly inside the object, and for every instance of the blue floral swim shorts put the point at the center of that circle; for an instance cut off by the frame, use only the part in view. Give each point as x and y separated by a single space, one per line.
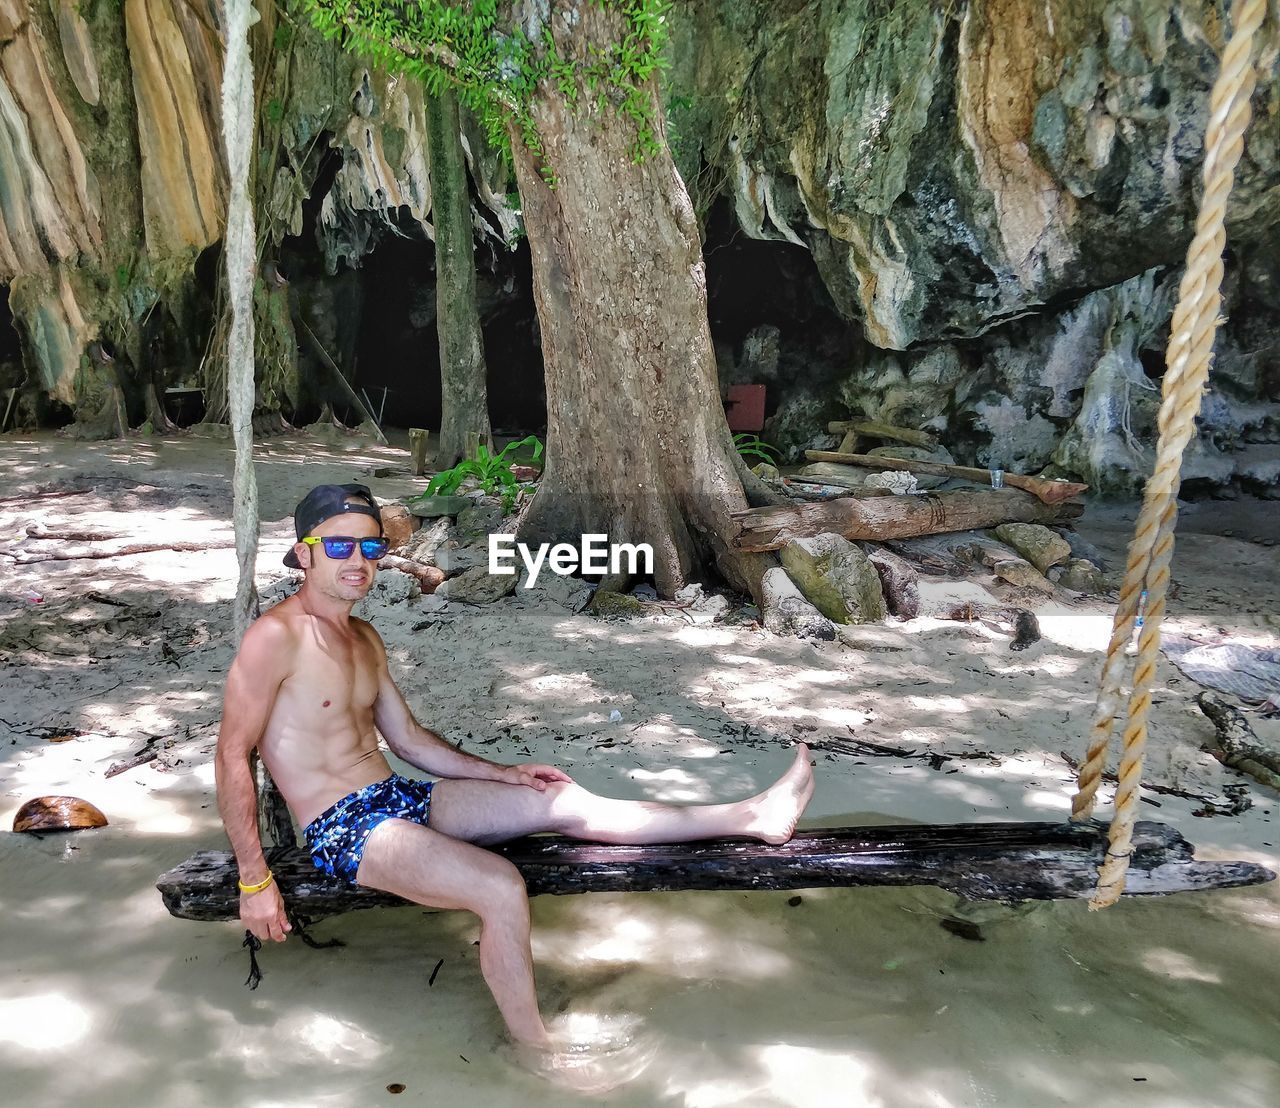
336 837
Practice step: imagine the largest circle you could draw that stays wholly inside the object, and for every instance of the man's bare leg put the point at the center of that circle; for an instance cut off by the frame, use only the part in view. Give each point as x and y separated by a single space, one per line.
430 868
487 812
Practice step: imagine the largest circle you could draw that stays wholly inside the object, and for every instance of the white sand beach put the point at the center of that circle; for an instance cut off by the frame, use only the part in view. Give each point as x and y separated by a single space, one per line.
850 996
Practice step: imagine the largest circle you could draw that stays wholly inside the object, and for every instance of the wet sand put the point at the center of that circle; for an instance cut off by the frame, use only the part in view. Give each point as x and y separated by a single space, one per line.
851 996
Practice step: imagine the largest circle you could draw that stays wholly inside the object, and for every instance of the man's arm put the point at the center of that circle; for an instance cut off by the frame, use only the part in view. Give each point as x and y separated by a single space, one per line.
252 684
422 747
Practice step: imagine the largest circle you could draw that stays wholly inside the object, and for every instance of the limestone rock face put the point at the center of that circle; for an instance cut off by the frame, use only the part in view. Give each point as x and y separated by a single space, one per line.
999 195
836 577
950 167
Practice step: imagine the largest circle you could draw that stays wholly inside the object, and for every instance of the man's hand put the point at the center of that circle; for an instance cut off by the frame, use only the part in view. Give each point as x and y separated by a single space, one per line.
534 775
263 913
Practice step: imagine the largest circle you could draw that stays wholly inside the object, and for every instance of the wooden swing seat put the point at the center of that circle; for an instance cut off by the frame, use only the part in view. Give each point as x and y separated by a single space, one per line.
980 861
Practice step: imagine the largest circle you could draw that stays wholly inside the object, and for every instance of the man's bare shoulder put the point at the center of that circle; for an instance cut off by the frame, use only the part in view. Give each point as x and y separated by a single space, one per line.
272 638
366 631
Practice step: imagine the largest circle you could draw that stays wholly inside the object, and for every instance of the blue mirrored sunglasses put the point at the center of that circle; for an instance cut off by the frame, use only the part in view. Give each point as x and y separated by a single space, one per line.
341 546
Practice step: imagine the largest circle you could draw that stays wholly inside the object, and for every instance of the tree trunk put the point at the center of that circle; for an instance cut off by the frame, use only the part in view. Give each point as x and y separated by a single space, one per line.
638 447
464 399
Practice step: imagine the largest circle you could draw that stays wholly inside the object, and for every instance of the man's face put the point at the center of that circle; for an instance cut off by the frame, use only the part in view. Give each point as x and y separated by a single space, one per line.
346 579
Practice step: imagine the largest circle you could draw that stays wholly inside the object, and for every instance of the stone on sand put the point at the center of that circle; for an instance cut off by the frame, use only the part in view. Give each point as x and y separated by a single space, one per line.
836 577
1040 546
787 612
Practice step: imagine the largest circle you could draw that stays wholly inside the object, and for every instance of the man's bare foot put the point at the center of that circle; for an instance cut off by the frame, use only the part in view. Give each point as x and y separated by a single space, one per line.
589 1054
778 809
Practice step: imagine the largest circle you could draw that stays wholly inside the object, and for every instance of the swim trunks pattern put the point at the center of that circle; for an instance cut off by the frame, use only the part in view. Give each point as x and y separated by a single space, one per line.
336 837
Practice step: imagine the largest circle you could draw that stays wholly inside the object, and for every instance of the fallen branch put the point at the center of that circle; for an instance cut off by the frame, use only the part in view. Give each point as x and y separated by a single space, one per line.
23 558
1051 492
132 763
1236 745
875 430
429 577
18 498
35 531
895 517
1019 622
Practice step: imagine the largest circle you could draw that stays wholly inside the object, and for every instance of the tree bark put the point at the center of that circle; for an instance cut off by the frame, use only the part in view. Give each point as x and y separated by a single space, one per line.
896 517
464 398
638 447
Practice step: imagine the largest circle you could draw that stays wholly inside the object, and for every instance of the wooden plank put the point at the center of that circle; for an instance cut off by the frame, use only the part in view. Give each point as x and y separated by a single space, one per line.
1051 492
986 861
877 430
418 450
895 517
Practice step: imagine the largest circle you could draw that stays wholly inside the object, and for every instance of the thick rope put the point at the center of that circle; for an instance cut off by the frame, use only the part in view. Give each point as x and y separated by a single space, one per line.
1195 323
241 257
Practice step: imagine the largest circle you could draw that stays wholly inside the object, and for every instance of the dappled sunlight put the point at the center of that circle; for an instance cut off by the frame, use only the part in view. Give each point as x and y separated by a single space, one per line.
1179 966
673 786
43 1022
622 930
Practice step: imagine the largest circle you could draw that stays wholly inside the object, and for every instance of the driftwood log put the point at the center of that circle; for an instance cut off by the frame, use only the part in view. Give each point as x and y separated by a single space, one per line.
1051 492
981 861
875 430
896 517
1235 745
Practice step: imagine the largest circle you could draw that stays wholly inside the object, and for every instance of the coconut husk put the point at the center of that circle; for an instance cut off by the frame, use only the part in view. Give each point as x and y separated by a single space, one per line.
58 813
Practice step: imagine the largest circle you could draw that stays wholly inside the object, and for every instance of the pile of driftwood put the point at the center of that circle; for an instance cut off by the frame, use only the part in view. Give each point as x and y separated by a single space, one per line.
848 507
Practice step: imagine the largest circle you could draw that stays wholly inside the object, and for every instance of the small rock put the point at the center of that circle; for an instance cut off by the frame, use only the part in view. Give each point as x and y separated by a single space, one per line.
398 524
1022 574
765 471
477 586
614 605
428 507
478 521
836 577
1040 546
568 592
1082 576
393 586
787 612
645 591
615 716
433 603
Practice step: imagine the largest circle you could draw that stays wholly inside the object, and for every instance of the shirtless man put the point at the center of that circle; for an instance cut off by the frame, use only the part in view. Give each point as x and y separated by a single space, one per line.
311 690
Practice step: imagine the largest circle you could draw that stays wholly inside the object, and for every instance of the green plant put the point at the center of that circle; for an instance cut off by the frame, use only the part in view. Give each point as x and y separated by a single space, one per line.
497 69
491 471
753 446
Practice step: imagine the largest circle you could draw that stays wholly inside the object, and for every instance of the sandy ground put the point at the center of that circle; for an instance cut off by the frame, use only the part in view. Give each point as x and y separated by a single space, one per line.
849 996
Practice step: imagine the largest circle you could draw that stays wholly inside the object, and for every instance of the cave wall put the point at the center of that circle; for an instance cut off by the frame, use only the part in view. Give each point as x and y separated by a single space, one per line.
998 196
988 201
113 182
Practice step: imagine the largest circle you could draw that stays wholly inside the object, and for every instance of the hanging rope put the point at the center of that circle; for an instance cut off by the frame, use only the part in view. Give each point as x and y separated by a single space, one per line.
1195 323
241 257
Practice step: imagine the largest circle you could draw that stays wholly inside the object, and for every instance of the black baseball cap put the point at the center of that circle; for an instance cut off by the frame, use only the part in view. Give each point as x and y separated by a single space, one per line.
325 501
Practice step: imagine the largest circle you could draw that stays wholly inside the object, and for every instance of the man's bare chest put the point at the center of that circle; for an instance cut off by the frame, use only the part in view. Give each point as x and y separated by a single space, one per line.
333 677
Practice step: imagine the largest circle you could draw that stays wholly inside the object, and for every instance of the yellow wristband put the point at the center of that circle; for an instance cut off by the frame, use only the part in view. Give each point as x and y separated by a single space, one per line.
259 886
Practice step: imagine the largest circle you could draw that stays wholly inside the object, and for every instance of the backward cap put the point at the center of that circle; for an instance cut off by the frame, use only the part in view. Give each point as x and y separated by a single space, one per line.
325 501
